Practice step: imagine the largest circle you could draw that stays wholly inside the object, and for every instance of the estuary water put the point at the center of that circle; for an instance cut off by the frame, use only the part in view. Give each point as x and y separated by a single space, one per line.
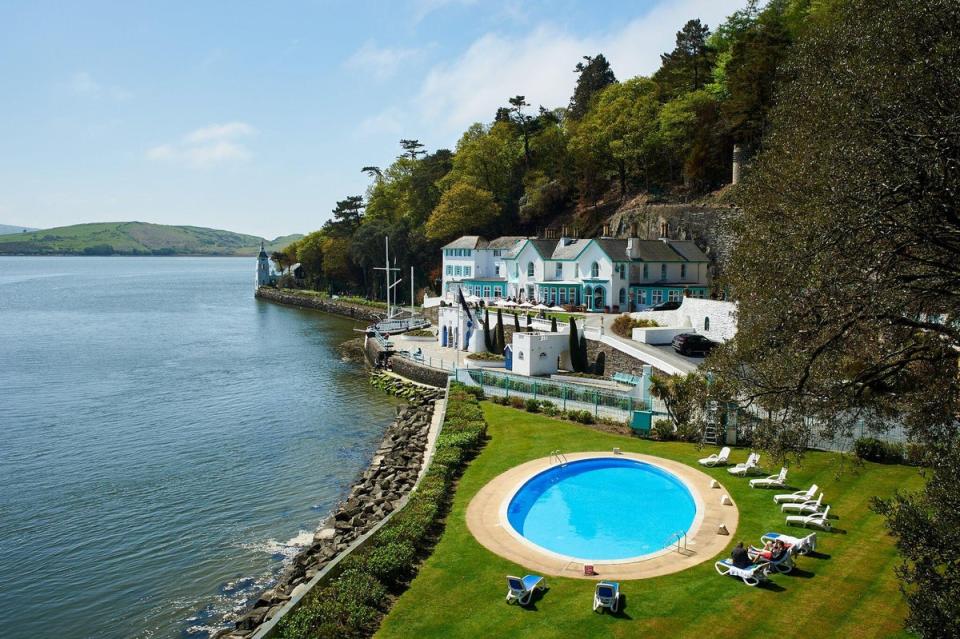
166 441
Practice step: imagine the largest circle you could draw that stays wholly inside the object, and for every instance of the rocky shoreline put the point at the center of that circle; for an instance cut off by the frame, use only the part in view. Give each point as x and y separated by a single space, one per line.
391 475
291 297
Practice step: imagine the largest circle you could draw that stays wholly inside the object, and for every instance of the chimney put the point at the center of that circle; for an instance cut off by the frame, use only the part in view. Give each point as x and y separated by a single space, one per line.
606 231
633 230
737 163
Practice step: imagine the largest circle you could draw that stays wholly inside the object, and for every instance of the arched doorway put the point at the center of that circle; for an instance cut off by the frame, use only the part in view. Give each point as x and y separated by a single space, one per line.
588 297
599 298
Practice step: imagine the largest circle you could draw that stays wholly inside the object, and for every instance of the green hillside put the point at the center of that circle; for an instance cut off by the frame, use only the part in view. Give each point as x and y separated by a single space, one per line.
135 238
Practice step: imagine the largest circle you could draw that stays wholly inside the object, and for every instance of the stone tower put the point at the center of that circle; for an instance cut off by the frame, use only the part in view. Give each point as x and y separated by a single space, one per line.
263 267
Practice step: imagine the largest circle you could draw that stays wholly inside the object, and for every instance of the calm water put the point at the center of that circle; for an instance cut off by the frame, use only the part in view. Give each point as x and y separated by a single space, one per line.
167 441
602 509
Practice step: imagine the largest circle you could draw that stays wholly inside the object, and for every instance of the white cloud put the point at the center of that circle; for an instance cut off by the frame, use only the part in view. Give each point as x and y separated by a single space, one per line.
83 84
379 62
206 147
390 121
423 8
539 65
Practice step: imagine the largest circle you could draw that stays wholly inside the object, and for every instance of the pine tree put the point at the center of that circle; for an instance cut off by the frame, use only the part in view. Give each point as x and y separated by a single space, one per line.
594 76
582 353
516 322
553 324
574 347
487 342
600 364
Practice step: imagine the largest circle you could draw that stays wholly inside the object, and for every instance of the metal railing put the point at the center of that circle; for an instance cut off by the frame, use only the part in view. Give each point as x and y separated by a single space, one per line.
558 456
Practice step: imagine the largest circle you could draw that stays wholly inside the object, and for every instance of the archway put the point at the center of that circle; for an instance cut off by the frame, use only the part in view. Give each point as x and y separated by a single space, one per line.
599 298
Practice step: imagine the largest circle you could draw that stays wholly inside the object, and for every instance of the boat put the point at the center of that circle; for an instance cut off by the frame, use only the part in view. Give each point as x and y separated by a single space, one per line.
397 319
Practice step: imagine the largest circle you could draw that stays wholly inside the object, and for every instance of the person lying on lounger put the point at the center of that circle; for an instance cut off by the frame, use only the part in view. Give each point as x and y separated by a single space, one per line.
771 551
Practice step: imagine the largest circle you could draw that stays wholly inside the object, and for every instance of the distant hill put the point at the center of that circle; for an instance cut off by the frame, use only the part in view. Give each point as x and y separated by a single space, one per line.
135 238
6 229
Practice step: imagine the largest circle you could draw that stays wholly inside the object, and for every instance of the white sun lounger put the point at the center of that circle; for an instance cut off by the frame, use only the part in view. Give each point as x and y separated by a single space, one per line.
716 459
521 590
751 575
773 481
799 496
606 595
747 467
783 563
806 507
799 545
817 519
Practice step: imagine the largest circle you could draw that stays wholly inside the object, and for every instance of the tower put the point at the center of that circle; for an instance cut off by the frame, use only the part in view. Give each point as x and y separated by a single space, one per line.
263 267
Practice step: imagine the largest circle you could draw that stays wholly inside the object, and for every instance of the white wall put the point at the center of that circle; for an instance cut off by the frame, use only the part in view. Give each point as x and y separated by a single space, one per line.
537 353
693 312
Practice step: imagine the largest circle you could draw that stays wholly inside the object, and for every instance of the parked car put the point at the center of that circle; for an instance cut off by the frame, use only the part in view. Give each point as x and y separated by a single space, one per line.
668 306
692 344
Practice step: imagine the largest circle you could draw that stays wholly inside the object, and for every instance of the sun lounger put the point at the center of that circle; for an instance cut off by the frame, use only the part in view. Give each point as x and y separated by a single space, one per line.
751 575
748 466
798 497
521 590
799 545
606 595
817 519
773 481
804 508
783 563
716 459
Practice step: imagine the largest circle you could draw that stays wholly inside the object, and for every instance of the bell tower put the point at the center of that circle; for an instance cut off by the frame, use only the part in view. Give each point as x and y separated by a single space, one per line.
263 267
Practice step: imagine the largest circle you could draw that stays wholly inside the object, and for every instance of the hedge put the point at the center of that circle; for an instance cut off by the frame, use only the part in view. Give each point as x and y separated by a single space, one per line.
352 603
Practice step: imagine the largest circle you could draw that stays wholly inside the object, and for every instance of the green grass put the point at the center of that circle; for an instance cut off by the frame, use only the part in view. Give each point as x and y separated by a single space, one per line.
850 592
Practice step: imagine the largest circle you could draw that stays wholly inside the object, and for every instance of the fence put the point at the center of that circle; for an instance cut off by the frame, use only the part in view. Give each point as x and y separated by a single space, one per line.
564 395
429 360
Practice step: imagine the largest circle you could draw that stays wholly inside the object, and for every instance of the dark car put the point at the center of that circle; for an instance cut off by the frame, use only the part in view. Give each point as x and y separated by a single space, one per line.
692 344
667 306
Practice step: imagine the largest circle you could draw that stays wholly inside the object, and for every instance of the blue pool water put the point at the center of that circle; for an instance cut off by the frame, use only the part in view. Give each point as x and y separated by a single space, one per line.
602 509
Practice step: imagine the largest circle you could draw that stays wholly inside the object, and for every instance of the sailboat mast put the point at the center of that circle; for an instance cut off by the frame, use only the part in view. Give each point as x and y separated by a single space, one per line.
386 244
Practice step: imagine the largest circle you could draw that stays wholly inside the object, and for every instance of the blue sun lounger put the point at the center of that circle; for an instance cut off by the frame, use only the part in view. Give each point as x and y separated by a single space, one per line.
521 590
606 595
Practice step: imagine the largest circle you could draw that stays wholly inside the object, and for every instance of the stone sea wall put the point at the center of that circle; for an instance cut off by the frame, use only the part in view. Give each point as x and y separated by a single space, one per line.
325 304
392 473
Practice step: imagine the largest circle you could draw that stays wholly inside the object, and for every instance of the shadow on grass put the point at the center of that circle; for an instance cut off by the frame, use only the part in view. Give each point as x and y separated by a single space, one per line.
800 573
771 585
816 554
537 595
621 609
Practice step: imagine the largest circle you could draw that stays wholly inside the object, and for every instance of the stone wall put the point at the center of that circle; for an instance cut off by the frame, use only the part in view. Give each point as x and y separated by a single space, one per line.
722 318
381 489
418 372
616 361
293 298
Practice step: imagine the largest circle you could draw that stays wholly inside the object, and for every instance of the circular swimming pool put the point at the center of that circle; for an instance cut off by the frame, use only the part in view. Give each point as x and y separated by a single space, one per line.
602 509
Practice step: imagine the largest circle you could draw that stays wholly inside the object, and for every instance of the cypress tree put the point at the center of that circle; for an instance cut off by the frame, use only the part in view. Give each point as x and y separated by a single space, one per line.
529 321
553 324
487 342
584 361
516 322
500 345
600 364
574 347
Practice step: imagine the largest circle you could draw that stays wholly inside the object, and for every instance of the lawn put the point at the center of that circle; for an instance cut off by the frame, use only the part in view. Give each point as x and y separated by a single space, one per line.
848 590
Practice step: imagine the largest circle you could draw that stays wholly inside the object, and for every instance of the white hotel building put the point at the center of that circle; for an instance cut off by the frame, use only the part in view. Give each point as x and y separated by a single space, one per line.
602 274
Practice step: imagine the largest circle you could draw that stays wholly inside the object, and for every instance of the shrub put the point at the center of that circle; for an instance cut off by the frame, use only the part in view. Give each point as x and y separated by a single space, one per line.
476 391
662 430
420 332
548 408
517 402
877 450
486 357
532 406
390 562
623 325
581 416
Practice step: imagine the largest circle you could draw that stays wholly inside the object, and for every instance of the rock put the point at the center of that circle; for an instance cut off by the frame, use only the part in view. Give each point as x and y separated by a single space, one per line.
325 534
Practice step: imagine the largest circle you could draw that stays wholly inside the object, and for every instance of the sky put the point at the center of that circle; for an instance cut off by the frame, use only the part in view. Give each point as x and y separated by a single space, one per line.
257 117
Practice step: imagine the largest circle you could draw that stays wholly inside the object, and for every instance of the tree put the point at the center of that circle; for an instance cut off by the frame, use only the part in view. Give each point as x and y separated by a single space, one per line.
600 364
489 159
687 67
845 265
583 359
488 340
373 171
574 346
553 324
681 394
412 148
593 77
346 217
524 123
463 208
310 256
501 344
516 323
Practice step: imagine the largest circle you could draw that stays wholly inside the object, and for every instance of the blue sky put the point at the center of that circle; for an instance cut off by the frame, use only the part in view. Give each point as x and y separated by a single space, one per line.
257 117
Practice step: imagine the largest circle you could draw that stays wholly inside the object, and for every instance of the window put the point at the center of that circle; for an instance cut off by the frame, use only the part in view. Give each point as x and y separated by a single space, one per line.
496 270
466 252
674 295
623 296
683 271
594 270
646 271
563 296
663 271
466 271
573 295
457 270
529 269
706 323
449 269
622 271
559 271
656 297
576 271
497 252
486 291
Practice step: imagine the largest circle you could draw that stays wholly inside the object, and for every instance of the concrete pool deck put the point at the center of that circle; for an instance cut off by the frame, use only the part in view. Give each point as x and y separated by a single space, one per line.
486 519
